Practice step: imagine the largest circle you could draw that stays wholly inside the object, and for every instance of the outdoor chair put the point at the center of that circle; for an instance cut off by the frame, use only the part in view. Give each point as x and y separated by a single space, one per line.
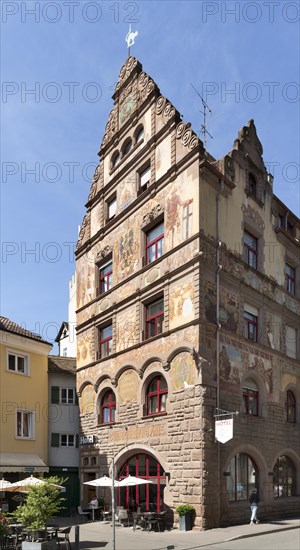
63 536
81 513
122 515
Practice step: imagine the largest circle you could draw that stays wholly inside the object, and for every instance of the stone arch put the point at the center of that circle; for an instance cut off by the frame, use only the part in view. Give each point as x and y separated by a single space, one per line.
252 374
87 382
101 379
147 363
123 369
177 351
135 448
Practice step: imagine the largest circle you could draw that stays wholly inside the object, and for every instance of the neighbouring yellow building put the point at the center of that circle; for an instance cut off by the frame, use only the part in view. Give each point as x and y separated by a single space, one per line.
23 401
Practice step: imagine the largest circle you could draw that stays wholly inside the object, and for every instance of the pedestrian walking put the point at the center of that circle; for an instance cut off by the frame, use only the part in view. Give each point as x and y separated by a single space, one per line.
254 500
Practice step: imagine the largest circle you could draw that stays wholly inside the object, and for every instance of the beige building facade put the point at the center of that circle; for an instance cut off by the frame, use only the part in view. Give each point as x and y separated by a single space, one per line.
187 309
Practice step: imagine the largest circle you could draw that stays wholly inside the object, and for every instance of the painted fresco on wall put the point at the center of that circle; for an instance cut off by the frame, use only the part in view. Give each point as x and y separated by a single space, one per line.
183 371
86 401
234 363
179 211
230 364
126 329
126 191
125 251
229 307
264 367
84 280
128 386
274 331
181 303
84 348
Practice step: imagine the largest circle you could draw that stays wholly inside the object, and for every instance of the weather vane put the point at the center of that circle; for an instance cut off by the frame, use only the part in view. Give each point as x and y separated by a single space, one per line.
130 38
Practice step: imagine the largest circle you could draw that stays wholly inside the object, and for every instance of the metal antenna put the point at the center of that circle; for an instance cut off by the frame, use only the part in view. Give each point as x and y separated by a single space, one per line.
204 130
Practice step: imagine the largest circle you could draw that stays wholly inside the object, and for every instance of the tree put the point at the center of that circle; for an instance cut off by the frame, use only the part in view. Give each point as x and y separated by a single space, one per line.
43 502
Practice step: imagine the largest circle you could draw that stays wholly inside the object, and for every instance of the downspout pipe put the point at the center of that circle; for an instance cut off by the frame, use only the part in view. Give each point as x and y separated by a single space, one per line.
218 269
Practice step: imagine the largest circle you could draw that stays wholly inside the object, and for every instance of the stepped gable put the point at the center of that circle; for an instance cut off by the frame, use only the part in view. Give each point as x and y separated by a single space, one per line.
9 326
133 89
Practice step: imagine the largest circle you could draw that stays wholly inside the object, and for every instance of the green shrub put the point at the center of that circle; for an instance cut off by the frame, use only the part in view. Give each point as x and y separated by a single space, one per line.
184 509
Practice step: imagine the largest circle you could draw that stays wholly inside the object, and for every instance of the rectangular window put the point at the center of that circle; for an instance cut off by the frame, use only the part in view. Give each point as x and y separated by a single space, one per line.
17 363
25 425
290 275
250 249
144 178
111 208
105 341
67 396
105 277
154 243
154 318
67 440
250 323
291 342
250 400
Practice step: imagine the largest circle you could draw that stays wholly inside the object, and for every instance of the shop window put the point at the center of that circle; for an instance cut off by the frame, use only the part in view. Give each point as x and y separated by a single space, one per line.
250 398
154 318
284 478
241 477
107 408
290 407
157 393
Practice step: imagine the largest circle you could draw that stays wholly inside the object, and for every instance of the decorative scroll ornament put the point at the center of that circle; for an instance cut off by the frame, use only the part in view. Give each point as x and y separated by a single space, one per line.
106 251
152 215
111 126
186 135
96 176
82 230
145 86
164 108
126 70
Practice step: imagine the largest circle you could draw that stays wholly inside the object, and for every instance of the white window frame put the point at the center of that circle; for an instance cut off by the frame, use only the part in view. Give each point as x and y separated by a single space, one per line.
111 208
67 436
17 355
145 177
31 424
67 402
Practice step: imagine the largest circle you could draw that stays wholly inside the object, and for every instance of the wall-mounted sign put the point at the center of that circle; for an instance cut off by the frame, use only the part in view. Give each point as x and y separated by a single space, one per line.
87 439
224 430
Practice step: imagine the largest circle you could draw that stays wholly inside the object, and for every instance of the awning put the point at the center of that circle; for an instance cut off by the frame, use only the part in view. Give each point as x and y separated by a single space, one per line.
17 462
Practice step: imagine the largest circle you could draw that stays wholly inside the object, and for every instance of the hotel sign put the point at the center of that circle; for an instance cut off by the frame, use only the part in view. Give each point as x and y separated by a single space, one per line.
87 439
224 430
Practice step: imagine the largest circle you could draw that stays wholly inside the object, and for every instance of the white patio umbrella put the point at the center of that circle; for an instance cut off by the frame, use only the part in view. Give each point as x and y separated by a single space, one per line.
24 484
4 484
103 481
130 481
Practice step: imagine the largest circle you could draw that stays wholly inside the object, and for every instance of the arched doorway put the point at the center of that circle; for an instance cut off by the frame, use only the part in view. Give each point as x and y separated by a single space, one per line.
148 497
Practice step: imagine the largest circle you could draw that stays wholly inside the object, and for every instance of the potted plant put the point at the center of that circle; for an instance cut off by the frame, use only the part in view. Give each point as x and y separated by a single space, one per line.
4 528
42 503
186 514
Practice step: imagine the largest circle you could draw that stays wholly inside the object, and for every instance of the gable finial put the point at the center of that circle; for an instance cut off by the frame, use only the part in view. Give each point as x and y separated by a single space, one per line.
130 37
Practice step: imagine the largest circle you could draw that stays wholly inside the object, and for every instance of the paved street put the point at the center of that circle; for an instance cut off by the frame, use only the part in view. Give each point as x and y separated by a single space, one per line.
279 535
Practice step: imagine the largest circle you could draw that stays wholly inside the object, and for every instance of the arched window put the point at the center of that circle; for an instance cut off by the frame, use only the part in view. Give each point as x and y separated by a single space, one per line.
147 497
241 477
127 147
250 397
252 185
139 134
290 406
157 394
107 408
284 478
115 159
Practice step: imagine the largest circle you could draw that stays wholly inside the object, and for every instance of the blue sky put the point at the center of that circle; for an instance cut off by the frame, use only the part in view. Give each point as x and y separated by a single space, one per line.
243 58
